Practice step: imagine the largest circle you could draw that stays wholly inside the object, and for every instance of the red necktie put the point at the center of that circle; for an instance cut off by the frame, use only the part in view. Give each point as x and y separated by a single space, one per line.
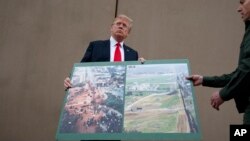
118 56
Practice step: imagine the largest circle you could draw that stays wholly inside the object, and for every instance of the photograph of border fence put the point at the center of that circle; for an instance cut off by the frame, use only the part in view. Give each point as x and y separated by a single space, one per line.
159 100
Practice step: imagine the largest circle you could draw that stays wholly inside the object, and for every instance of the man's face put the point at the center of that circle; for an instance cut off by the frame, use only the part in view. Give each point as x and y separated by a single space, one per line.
244 9
120 29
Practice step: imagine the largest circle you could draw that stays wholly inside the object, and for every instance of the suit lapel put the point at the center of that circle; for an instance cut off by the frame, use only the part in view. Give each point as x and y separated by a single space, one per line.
106 50
126 52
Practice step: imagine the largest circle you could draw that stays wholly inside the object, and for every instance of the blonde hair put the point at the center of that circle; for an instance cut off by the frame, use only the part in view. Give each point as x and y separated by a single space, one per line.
122 16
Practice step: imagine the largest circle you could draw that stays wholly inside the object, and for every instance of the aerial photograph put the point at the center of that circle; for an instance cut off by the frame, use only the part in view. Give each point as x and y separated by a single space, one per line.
152 98
158 99
95 102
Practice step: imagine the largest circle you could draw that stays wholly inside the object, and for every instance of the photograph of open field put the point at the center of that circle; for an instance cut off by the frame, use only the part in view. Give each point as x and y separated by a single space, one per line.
158 99
95 102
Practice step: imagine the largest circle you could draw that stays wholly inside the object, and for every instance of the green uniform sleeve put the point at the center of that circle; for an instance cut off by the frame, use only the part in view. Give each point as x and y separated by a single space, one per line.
236 86
217 81
239 82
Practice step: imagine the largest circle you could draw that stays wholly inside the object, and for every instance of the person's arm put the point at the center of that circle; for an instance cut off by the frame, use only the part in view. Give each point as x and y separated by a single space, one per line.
217 81
235 86
238 83
241 78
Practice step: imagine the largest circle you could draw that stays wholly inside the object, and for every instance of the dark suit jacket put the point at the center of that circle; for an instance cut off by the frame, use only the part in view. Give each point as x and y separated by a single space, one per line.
99 51
235 85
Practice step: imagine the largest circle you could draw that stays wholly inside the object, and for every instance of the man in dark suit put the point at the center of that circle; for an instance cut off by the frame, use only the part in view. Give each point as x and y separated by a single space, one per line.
235 85
100 51
103 51
106 50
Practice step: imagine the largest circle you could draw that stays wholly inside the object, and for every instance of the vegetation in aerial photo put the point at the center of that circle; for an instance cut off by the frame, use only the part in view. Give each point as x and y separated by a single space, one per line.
158 99
95 102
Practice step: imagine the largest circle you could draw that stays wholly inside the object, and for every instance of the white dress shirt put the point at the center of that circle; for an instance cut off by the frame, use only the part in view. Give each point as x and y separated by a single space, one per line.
113 43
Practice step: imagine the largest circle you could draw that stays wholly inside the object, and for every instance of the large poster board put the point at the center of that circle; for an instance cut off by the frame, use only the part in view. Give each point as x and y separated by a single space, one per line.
129 100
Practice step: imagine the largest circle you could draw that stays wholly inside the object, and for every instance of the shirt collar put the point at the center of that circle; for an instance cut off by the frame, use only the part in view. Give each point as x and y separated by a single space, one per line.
113 42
